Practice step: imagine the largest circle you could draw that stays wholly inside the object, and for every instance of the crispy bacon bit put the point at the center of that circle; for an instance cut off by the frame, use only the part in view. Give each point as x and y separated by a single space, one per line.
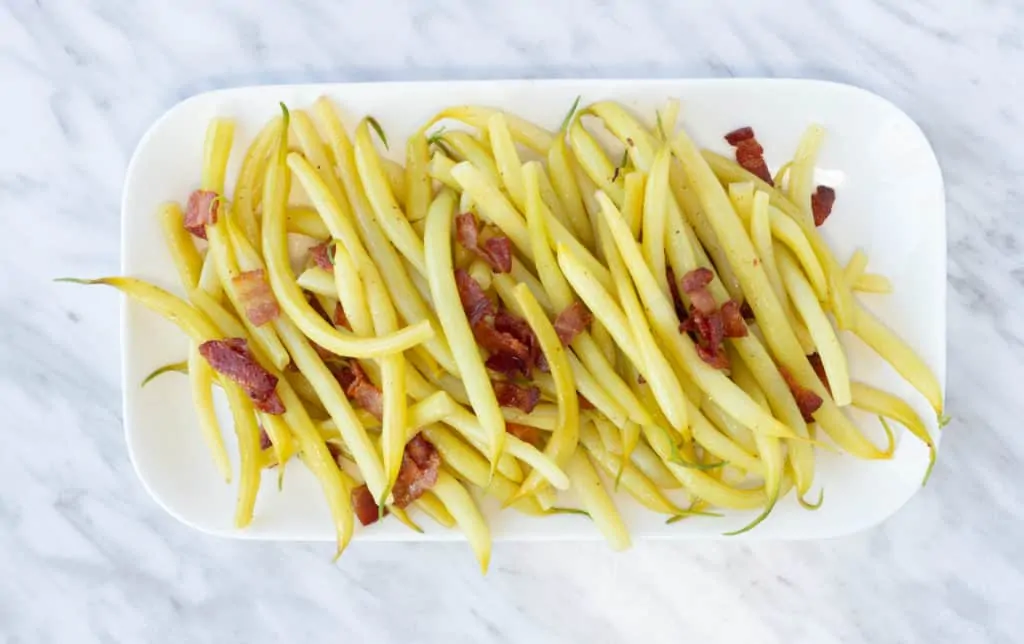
716 357
695 285
571 322
706 322
584 403
806 400
320 254
524 433
358 386
741 134
749 153
475 302
256 297
202 208
697 279
365 507
508 354
819 368
512 395
821 204
232 358
339 318
420 465
496 251
265 441
732 320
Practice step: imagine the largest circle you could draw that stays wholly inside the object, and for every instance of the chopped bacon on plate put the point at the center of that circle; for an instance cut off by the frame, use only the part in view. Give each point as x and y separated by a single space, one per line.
256 297
710 324
365 507
496 250
233 358
572 321
821 204
509 340
806 400
202 208
510 394
358 386
749 153
420 465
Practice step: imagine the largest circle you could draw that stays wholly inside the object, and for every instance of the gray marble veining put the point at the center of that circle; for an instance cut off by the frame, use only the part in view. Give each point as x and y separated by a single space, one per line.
86 556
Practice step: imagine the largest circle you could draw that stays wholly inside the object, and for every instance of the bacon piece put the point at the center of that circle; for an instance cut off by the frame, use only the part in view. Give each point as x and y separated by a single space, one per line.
256 297
716 357
732 320
524 433
365 507
821 204
740 134
571 322
695 285
475 302
496 251
420 465
265 441
703 301
819 368
321 256
339 318
508 353
506 364
510 341
510 394
697 279
232 358
202 208
806 400
749 153
358 386
710 328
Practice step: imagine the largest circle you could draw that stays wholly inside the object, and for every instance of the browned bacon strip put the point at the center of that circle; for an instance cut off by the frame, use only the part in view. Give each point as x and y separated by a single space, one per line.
821 204
749 153
420 465
202 208
364 505
571 322
512 395
256 297
232 358
496 251
806 400
475 302
732 320
695 284
358 386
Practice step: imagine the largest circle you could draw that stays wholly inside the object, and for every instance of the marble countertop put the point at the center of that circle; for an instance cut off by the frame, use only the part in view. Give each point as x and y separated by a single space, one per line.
85 555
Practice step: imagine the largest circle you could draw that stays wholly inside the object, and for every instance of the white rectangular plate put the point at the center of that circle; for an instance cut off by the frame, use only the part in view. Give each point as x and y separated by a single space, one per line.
889 202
